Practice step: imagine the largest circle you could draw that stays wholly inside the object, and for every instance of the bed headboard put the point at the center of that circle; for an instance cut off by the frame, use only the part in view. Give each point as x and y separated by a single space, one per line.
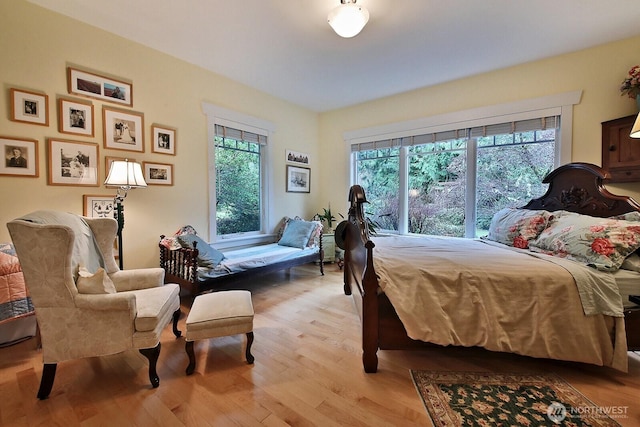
578 187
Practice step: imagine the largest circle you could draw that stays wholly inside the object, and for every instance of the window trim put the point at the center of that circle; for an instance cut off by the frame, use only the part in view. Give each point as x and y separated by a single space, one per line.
553 105
217 115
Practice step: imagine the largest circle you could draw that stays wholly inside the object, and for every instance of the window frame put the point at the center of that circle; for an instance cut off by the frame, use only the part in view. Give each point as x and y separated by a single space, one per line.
554 105
221 116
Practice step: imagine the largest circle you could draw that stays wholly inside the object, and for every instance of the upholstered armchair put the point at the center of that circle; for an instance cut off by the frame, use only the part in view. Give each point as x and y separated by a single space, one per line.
85 305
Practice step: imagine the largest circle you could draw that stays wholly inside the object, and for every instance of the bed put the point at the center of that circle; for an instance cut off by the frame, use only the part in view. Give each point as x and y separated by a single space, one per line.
17 320
534 308
198 267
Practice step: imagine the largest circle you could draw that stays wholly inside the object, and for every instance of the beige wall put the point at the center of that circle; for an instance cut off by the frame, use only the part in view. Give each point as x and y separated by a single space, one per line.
38 45
597 72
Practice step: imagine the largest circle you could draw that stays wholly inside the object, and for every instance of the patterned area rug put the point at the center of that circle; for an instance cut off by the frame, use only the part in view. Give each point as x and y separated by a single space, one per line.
489 399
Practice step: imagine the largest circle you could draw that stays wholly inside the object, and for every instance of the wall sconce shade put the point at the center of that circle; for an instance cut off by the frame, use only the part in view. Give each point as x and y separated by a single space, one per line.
635 130
348 19
126 175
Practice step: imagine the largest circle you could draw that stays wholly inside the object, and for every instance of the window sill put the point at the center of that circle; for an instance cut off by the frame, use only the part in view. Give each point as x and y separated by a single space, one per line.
244 241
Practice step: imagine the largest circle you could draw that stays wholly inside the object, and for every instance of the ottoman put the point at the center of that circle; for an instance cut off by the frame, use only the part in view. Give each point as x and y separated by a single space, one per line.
219 314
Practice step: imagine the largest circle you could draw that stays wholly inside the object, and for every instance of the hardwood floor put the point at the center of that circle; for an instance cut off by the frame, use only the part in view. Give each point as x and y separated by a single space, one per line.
307 372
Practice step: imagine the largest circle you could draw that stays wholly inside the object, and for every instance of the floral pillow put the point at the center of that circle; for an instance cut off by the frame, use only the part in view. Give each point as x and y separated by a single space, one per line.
629 216
602 243
172 242
517 227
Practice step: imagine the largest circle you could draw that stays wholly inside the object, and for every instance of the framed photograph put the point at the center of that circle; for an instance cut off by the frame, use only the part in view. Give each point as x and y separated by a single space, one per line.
72 163
75 117
29 107
20 157
163 139
298 158
158 173
298 179
123 130
100 87
98 206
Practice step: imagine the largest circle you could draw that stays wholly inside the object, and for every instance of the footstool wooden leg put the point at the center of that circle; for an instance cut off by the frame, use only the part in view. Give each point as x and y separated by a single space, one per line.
248 354
192 357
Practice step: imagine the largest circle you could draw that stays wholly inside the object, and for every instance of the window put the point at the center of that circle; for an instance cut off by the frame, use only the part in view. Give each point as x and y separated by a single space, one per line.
238 180
451 181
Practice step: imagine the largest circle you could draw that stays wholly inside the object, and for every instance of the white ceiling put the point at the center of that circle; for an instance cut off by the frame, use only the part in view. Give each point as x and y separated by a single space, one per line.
287 49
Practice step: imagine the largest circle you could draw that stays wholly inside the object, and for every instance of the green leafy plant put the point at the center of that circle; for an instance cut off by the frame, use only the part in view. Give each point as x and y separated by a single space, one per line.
327 216
372 224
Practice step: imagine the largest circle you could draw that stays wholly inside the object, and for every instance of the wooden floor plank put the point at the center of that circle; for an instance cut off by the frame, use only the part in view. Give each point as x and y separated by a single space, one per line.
308 371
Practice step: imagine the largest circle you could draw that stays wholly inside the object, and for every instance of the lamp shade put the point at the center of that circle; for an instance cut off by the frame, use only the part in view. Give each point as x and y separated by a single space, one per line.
635 130
125 174
348 19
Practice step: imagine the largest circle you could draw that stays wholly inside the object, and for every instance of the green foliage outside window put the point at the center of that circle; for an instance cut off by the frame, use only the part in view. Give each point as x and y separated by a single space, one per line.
237 186
509 173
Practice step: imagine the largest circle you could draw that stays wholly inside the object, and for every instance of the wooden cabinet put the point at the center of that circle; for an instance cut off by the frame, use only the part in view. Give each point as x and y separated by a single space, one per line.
620 152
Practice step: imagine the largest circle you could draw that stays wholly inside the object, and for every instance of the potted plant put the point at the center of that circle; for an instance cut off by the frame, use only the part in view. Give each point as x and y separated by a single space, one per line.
327 216
631 85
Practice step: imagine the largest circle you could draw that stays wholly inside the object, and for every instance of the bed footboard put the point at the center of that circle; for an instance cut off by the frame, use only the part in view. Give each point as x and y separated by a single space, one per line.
360 279
381 326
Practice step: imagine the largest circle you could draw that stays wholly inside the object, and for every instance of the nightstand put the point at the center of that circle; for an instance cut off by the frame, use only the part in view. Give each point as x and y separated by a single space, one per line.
329 246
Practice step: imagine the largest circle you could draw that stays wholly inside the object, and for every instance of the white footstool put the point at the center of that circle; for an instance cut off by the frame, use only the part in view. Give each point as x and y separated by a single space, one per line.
219 314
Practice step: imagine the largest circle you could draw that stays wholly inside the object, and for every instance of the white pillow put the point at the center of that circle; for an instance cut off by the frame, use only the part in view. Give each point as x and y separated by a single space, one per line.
96 283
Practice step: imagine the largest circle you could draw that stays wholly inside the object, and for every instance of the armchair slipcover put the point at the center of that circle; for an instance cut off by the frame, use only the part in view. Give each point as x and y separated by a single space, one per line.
52 247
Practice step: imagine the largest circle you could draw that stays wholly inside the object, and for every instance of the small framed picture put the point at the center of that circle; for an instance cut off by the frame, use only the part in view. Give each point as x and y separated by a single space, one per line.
20 157
163 139
29 107
298 179
72 163
75 117
158 173
298 158
123 129
96 86
97 206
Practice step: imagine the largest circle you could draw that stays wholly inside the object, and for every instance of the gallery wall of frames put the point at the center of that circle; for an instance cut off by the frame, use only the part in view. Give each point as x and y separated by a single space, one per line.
74 159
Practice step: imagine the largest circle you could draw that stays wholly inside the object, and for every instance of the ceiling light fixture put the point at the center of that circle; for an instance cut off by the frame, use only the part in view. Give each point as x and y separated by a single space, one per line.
348 19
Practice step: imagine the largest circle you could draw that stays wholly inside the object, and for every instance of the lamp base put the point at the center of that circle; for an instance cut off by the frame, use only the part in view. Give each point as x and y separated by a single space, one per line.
119 216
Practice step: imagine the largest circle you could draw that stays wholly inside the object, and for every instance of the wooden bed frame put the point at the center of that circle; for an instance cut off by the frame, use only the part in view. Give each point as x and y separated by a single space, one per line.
181 267
576 187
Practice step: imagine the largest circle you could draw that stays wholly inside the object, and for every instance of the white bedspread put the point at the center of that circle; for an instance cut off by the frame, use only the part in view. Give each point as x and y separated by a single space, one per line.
454 291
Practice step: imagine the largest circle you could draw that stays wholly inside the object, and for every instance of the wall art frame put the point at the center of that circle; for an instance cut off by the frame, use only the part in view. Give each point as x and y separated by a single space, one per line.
76 117
20 157
98 206
163 139
96 86
123 129
297 157
158 173
298 179
29 107
72 163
